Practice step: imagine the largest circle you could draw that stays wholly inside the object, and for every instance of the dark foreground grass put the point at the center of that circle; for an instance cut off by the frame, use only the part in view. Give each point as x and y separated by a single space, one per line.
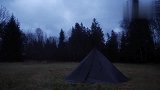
27 76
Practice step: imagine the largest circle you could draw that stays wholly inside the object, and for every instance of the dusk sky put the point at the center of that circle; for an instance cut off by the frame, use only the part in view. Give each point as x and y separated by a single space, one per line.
52 15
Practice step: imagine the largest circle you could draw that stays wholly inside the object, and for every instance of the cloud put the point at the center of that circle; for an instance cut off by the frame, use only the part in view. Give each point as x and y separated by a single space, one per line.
52 15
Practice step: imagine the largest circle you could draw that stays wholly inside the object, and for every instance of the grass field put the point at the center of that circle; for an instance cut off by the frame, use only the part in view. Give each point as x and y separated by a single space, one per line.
27 76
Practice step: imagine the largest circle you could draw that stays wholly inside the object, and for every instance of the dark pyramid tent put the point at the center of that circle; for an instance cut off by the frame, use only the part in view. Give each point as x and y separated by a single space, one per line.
96 68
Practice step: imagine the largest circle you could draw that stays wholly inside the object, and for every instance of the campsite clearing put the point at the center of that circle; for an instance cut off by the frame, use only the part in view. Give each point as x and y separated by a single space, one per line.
43 76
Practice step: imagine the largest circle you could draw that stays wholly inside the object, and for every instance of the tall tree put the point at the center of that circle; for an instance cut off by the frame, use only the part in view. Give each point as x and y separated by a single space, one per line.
4 16
112 46
123 47
62 47
97 35
12 41
30 48
155 26
39 37
51 49
140 41
39 44
61 43
78 42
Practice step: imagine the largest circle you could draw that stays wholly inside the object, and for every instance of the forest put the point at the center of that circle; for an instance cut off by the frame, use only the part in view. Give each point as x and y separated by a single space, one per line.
138 42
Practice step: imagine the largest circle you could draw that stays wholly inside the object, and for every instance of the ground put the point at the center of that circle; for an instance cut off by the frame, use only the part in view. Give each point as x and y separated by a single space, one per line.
43 76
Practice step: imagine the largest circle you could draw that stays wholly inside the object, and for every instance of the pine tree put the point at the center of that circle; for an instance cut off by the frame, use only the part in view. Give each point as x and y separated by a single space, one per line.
61 39
112 46
140 42
62 47
50 49
78 42
12 41
123 47
97 36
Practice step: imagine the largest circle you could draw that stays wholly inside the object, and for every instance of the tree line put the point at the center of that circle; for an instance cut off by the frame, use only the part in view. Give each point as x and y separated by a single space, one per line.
137 43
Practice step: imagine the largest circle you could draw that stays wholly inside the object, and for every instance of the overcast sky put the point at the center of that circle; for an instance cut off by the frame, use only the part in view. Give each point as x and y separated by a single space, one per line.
52 15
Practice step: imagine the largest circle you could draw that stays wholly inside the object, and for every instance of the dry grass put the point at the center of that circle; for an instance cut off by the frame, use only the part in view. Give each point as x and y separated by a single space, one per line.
23 76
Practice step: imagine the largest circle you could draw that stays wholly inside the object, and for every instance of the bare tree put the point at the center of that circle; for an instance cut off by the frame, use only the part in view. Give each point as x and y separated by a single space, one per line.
40 35
4 14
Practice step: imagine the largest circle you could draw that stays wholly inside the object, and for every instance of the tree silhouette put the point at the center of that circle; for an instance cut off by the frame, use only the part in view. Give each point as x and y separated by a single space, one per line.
78 42
39 47
61 43
29 48
123 47
140 42
39 43
112 46
62 47
4 15
50 49
97 36
12 41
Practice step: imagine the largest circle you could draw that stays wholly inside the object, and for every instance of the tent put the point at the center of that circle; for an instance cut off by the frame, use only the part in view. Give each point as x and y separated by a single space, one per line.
96 68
